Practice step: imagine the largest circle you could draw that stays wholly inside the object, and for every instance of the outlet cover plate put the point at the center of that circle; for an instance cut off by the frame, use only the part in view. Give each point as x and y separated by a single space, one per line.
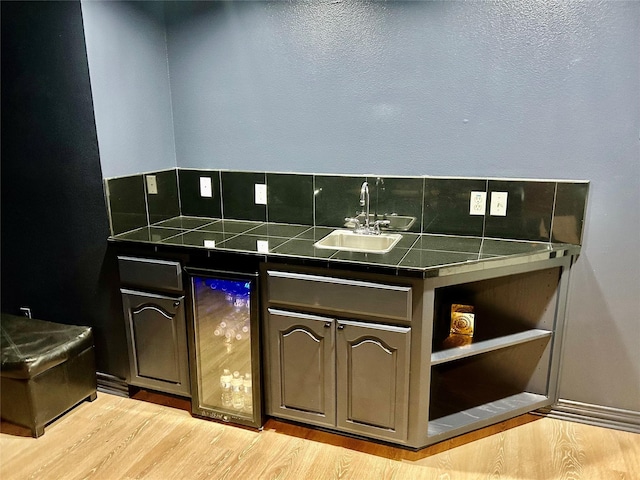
478 203
205 187
262 246
152 185
261 194
498 204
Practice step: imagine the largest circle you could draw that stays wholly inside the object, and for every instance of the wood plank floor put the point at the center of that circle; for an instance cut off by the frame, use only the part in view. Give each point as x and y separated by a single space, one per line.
126 438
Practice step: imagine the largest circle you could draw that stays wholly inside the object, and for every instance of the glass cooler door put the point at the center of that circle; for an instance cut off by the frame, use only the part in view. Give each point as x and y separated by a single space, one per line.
225 370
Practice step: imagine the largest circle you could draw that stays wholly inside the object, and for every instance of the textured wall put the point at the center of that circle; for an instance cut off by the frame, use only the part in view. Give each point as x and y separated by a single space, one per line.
127 55
513 88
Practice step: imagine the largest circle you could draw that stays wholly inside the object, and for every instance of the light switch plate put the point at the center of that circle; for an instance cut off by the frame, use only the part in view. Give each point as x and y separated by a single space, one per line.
152 185
478 203
498 204
205 187
261 194
209 244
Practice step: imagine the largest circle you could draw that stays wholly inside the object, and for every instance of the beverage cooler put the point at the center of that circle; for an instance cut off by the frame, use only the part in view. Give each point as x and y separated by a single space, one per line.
224 347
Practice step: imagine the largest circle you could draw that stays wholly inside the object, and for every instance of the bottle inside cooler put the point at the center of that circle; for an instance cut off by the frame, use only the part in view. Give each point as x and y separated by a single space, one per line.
237 391
225 385
248 392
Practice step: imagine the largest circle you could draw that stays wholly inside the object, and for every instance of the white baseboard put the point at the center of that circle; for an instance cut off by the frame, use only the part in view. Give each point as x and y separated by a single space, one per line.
627 420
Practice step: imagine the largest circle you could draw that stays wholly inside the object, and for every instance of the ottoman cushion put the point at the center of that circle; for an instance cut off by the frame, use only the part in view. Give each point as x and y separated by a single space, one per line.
31 346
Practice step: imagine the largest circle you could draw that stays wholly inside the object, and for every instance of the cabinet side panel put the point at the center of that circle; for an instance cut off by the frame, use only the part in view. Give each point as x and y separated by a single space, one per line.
527 300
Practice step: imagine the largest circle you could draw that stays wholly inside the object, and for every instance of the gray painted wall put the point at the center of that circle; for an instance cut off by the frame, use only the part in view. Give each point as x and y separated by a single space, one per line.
126 48
517 89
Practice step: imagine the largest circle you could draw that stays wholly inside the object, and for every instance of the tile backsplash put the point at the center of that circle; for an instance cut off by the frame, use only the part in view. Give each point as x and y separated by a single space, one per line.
529 210
290 198
336 198
163 204
398 196
126 199
569 212
446 206
191 202
239 195
538 210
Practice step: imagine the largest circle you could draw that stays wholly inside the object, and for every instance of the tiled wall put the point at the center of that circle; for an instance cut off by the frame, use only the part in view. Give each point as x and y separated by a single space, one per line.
541 210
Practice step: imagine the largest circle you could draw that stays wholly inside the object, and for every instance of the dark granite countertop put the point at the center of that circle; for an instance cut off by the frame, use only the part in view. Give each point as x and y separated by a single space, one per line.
425 254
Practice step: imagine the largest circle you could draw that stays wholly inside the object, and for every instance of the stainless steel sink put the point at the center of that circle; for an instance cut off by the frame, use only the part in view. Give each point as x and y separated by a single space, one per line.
356 242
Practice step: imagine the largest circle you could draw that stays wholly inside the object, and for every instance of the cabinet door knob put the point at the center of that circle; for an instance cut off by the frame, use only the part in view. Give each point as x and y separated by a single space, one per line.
176 304
327 325
340 327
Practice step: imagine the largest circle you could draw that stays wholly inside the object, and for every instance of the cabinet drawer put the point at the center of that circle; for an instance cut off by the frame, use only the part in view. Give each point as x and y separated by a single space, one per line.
339 295
152 274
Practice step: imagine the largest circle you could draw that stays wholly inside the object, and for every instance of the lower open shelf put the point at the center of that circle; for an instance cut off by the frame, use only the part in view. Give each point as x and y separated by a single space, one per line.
486 414
489 386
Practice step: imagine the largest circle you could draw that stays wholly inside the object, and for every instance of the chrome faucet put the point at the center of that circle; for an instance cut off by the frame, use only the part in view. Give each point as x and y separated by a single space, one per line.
364 202
366 228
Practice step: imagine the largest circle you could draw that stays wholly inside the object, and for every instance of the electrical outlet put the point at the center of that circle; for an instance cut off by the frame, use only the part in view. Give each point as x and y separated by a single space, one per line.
209 244
262 246
152 185
498 204
261 194
205 187
478 203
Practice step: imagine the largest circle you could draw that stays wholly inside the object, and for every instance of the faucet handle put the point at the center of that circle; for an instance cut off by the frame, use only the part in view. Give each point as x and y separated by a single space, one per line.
352 222
380 223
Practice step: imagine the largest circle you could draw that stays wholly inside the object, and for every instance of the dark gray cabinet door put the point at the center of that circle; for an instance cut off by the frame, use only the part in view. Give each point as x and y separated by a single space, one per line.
372 377
301 367
156 334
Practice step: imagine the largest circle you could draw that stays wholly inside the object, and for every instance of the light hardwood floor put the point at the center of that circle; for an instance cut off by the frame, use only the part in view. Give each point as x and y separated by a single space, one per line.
125 438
